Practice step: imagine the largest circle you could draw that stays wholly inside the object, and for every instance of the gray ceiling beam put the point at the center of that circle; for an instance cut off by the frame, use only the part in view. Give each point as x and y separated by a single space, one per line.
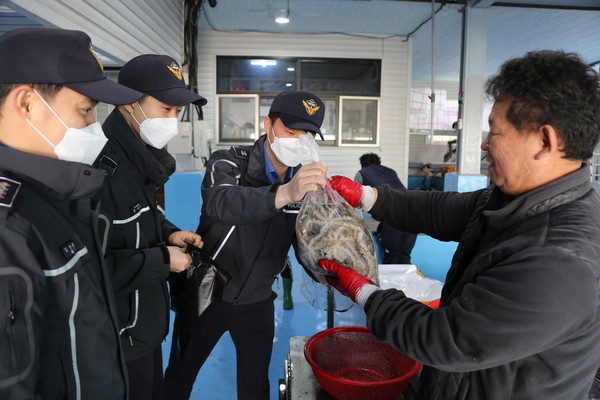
482 3
580 5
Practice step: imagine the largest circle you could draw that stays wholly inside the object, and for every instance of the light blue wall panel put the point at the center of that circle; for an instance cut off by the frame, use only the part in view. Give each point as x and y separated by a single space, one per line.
433 257
183 200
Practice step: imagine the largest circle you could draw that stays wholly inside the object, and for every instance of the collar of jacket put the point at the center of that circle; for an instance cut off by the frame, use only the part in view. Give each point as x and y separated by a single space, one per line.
542 199
63 180
257 174
116 130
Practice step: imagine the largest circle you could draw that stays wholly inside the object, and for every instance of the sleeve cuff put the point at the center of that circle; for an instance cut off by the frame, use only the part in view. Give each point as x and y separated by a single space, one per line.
367 199
364 293
166 255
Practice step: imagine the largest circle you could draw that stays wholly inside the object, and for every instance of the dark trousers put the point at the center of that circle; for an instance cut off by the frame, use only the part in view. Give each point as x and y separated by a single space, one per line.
251 328
397 244
146 377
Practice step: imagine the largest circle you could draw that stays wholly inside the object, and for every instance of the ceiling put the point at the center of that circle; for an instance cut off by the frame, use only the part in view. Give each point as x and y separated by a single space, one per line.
513 26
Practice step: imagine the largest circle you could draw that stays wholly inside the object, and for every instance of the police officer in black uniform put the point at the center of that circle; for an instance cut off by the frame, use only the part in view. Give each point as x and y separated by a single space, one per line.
250 203
142 246
58 328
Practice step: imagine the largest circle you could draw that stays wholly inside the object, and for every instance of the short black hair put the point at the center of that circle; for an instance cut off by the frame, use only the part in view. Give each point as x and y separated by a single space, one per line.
273 116
46 90
368 159
554 88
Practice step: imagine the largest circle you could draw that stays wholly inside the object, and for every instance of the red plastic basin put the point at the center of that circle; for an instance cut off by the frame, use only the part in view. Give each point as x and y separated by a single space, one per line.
352 364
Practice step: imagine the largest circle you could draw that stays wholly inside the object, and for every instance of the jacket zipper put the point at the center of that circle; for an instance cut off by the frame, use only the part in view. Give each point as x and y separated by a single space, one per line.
136 294
133 321
9 326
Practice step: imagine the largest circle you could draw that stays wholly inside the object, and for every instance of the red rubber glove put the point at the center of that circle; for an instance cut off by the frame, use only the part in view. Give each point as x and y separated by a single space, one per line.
348 189
434 304
346 281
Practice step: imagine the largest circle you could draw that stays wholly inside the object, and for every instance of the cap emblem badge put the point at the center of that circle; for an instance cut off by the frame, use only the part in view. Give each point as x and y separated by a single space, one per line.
96 57
310 106
174 68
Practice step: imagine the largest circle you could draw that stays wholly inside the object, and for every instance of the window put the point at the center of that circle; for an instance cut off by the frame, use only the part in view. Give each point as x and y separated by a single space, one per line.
341 76
238 118
359 121
246 87
329 126
255 75
445 112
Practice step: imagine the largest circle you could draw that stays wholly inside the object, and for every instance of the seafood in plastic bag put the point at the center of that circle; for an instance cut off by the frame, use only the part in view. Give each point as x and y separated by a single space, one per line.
327 227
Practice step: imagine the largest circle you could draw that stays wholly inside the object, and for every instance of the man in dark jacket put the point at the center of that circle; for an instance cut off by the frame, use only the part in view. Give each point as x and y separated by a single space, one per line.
250 203
142 246
397 245
519 316
59 336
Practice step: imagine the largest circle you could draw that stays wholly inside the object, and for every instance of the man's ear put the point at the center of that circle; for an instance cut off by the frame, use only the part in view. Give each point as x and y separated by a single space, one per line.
267 124
128 108
21 99
550 139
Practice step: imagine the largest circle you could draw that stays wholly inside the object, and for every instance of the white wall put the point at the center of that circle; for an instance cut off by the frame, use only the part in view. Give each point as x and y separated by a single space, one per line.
395 87
122 29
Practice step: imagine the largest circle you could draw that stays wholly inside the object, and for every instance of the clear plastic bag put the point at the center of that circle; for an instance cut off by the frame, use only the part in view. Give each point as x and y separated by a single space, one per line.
327 227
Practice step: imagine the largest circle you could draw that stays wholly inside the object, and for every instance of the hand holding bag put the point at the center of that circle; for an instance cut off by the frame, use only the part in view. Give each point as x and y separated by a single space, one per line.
202 285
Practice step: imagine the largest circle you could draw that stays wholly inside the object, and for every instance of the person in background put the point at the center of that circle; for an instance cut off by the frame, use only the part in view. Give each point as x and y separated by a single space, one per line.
59 336
251 197
142 246
519 315
397 245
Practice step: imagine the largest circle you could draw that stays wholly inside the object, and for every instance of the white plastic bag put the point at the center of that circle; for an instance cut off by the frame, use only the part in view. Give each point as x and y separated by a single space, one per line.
408 278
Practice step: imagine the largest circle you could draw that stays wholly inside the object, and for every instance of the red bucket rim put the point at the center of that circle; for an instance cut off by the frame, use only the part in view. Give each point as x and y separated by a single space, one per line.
360 329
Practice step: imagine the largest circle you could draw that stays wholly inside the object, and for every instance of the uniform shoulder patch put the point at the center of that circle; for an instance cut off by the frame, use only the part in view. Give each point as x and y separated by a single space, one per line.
241 152
9 189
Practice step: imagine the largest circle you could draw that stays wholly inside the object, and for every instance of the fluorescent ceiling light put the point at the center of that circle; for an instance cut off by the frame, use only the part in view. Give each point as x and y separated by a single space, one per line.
263 63
291 69
282 17
288 85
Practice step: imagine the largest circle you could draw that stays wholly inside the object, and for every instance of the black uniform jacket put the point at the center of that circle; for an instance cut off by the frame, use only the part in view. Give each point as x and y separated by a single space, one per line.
520 309
58 331
240 224
133 232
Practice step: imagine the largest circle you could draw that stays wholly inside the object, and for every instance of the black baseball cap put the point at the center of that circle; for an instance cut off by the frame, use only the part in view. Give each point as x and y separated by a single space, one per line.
299 110
59 56
160 77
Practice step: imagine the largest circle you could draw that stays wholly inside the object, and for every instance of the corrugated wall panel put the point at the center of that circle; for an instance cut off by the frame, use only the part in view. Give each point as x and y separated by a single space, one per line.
395 57
121 29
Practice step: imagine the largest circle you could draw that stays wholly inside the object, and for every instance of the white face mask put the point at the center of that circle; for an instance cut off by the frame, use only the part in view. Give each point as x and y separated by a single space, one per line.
157 132
80 145
294 151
